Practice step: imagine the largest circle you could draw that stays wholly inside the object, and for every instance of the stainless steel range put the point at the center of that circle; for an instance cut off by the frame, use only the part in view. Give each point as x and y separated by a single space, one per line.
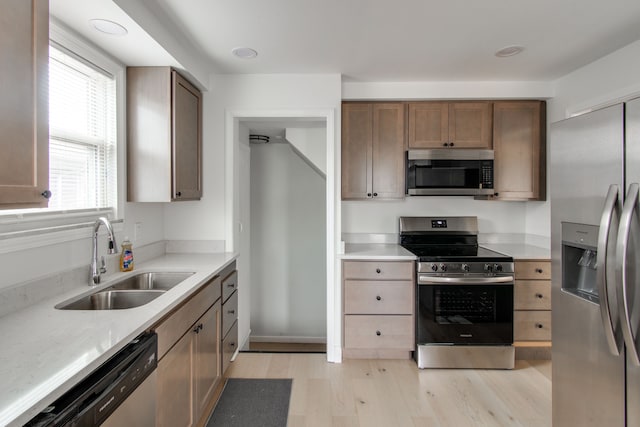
464 295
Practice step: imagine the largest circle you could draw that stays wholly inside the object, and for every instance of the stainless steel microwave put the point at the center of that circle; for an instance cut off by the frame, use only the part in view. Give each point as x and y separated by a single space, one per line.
454 172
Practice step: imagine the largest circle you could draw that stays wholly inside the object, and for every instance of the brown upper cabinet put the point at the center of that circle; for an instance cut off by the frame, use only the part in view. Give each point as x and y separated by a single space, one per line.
519 142
164 136
435 124
24 104
373 148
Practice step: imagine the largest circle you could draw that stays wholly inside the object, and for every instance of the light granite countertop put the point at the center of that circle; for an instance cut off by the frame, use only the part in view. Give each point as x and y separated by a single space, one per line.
376 251
519 251
46 351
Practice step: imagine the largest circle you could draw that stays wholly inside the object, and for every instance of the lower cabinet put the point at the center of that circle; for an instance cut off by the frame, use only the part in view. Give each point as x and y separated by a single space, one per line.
378 298
229 318
189 359
532 305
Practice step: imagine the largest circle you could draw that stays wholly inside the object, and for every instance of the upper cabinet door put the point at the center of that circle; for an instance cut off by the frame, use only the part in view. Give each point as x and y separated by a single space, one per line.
388 151
519 141
24 99
470 125
357 128
428 124
187 140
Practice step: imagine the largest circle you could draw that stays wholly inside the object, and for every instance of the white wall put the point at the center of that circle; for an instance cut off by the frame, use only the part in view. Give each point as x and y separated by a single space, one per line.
288 244
382 216
310 142
610 79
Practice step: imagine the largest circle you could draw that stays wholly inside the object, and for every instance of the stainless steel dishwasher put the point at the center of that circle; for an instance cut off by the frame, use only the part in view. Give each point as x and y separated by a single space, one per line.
121 392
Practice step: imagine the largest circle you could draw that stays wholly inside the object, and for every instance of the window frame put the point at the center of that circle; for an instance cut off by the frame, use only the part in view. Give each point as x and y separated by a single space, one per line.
23 228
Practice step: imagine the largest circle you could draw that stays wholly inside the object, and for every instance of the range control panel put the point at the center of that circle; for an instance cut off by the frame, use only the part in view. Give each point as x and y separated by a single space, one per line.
484 268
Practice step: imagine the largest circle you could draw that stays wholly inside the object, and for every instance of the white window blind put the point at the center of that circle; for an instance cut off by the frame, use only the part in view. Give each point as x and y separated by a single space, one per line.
82 132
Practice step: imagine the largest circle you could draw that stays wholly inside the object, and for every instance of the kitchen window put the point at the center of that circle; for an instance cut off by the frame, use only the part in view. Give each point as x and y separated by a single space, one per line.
82 133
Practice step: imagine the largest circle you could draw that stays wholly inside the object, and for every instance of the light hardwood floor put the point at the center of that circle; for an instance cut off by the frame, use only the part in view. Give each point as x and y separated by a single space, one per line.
396 393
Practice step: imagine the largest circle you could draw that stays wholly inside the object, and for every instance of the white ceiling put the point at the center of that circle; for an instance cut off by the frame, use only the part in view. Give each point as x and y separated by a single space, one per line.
379 40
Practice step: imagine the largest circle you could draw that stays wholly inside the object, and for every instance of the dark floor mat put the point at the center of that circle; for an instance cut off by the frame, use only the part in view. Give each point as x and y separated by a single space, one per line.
253 402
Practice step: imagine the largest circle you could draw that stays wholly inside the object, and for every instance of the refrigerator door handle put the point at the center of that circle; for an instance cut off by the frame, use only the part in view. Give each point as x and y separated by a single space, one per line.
631 202
611 208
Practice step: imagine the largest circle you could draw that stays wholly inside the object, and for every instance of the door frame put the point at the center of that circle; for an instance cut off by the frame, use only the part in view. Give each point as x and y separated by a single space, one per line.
232 205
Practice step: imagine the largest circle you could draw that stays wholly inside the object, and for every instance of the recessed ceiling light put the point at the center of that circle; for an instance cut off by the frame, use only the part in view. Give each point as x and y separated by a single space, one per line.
509 51
108 27
244 52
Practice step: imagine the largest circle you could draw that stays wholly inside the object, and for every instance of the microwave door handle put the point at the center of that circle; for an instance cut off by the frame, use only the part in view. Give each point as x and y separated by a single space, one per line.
611 208
622 248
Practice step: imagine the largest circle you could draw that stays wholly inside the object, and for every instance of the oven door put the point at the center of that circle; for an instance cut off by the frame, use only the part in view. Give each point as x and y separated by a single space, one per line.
466 311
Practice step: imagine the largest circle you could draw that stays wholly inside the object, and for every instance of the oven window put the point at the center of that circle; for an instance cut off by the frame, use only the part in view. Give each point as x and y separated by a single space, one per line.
475 314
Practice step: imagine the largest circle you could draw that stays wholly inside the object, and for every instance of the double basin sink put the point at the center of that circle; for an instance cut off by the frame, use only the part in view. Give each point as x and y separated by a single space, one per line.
129 292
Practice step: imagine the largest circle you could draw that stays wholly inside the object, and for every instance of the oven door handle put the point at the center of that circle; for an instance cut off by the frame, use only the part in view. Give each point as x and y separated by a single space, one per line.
423 279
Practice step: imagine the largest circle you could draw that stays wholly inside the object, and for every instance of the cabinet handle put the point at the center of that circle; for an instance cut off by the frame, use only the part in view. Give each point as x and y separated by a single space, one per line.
46 194
378 333
232 344
445 145
368 194
539 325
231 285
378 270
179 193
539 270
198 328
539 296
375 194
451 144
378 297
231 311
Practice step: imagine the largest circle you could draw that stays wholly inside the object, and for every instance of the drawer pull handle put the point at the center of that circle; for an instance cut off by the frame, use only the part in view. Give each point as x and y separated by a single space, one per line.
539 325
378 333
539 270
198 328
378 270
231 312
231 285
378 297
539 296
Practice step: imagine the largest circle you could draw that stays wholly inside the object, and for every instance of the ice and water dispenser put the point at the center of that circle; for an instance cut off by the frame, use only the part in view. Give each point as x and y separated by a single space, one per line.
580 260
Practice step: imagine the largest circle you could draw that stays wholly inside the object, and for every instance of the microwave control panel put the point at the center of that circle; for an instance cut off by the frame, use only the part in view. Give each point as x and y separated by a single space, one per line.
486 174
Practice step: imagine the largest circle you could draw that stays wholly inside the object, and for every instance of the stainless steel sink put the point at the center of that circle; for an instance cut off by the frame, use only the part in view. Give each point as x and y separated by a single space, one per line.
154 280
112 300
130 292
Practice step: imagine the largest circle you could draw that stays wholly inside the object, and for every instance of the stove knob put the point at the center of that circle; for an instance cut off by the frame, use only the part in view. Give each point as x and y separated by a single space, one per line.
488 267
465 267
443 267
434 267
497 267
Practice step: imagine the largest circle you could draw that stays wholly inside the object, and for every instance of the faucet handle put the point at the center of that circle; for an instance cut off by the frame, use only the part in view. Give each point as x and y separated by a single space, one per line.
103 265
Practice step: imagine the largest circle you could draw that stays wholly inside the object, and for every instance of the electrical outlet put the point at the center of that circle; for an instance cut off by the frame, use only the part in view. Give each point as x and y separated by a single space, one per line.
137 232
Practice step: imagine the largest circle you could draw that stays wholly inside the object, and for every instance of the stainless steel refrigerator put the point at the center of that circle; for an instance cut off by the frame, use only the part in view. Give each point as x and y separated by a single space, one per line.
595 249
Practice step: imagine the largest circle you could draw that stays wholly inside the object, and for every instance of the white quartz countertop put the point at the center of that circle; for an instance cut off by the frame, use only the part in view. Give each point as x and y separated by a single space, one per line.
44 351
519 251
376 251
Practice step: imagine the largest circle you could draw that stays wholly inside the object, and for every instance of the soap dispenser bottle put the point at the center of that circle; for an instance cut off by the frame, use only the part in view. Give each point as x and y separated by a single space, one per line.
126 256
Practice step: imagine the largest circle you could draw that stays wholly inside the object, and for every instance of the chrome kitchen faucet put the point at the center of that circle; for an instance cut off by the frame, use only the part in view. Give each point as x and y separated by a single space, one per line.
95 271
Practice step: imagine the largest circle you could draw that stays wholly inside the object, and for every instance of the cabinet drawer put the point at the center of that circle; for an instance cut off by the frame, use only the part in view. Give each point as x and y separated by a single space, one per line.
229 285
378 297
229 313
178 322
229 346
532 326
378 332
378 270
532 295
533 270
